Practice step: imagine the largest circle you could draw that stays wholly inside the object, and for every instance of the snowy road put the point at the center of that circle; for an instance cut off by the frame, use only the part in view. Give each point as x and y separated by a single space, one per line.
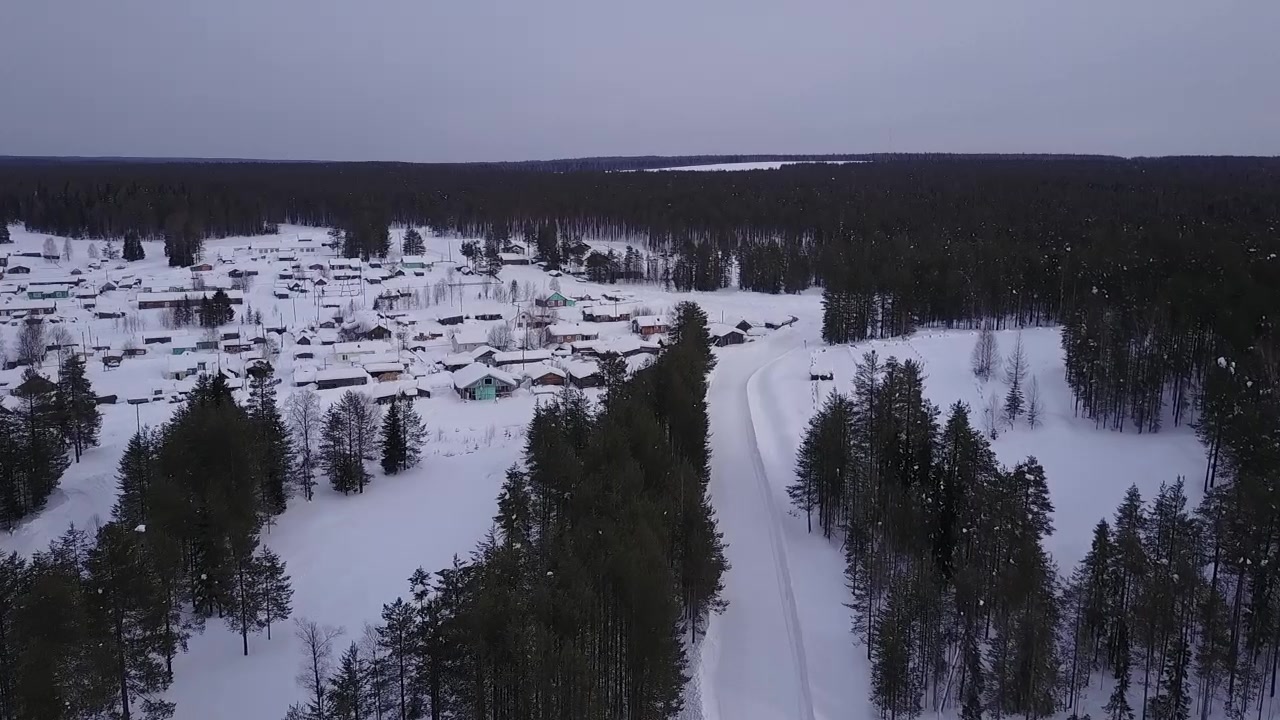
753 662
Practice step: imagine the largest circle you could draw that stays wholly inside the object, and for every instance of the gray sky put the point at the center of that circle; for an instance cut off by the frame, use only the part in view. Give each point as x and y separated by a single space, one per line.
454 80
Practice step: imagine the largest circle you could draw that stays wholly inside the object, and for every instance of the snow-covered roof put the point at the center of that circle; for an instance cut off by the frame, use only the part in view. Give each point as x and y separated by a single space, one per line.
458 359
649 321
383 367
521 356
339 374
471 336
563 329
625 345
365 347
536 370
581 369
721 329
474 373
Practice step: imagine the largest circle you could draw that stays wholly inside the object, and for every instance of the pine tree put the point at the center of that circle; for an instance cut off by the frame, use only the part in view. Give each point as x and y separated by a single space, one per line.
14 582
273 588
133 249
1117 707
245 598
133 479
971 707
347 440
414 433
5 238
895 687
396 637
824 465
127 619
393 448
39 457
275 448
1016 375
412 244
348 689
77 405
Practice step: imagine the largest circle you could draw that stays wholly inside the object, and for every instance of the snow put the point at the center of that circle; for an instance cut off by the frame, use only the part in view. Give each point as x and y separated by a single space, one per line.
782 649
767 165
475 372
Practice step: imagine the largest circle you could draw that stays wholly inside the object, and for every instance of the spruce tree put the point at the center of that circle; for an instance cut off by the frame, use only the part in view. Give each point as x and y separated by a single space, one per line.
396 636
348 689
412 244
39 457
1117 707
133 479
275 448
80 418
133 249
5 238
126 614
273 588
1016 376
895 687
393 447
348 439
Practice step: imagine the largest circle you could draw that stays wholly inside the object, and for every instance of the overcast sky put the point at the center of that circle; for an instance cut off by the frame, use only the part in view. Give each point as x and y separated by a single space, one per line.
457 80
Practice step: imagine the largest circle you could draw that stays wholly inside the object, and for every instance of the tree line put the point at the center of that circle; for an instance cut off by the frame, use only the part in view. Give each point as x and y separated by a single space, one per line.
604 558
958 605
92 625
51 419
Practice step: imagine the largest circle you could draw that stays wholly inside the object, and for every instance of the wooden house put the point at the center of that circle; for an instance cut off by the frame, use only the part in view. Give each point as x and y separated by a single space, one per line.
649 325
481 382
554 300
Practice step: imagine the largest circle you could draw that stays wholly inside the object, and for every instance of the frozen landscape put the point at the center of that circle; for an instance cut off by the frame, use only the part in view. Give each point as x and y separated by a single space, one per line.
781 650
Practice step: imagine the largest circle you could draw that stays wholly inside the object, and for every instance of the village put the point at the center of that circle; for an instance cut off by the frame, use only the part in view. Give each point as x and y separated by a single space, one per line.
420 326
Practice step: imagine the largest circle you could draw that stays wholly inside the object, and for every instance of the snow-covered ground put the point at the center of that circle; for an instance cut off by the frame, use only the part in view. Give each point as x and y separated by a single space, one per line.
783 648
767 165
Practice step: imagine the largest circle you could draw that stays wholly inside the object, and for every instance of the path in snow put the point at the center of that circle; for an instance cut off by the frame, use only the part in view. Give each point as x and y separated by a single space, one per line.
753 660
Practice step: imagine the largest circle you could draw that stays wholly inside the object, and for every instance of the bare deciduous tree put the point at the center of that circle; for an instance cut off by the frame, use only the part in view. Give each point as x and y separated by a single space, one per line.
31 344
1033 403
991 416
500 336
317 663
986 355
304 418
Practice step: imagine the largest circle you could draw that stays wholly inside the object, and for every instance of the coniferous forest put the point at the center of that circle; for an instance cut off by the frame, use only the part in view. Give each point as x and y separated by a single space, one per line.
89 628
604 559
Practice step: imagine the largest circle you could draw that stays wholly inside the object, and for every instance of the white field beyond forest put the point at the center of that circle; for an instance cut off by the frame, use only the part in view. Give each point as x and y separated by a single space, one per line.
783 649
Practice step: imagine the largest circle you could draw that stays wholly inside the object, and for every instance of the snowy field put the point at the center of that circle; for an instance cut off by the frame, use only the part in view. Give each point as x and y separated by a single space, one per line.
782 650
768 165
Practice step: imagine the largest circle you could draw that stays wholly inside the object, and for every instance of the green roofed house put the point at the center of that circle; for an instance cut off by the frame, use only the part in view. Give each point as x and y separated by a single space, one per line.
555 299
481 382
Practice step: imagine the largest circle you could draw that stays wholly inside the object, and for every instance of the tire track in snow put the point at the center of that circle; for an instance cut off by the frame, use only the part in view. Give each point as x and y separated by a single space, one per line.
783 571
